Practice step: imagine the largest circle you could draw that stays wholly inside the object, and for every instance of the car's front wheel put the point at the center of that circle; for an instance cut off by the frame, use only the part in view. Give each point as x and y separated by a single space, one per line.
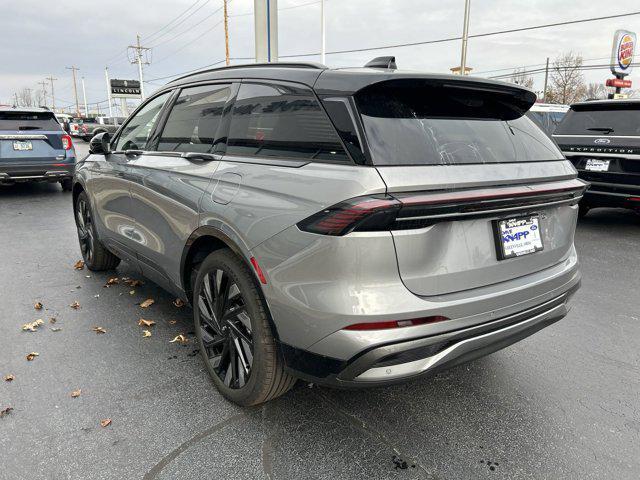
233 332
96 257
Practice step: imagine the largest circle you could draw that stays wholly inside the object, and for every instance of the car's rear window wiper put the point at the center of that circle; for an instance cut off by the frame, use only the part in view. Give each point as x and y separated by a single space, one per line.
601 129
28 127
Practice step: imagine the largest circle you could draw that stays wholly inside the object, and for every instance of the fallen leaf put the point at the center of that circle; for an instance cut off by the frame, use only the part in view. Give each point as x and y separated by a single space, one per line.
146 333
132 292
32 355
75 305
5 411
132 282
178 303
147 303
9 378
146 323
105 423
79 265
113 281
31 327
55 329
180 339
37 306
172 322
76 393
53 320
99 330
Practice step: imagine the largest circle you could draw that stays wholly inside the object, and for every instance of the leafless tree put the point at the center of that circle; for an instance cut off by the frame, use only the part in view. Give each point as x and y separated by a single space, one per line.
567 82
520 77
595 91
25 98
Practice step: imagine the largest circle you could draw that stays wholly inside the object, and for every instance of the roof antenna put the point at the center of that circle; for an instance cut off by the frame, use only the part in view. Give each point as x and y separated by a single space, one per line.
383 62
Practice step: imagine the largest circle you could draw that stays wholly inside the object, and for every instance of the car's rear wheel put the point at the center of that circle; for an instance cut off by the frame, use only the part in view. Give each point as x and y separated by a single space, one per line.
233 332
583 209
95 255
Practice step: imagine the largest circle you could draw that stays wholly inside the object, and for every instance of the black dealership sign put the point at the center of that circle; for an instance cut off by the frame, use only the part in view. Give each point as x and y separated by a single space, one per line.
125 88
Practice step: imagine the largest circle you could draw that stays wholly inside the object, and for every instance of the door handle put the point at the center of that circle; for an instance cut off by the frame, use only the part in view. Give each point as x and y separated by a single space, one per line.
202 157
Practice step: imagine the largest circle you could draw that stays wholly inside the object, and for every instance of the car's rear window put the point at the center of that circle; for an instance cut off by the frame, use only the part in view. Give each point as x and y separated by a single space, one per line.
417 123
28 121
603 119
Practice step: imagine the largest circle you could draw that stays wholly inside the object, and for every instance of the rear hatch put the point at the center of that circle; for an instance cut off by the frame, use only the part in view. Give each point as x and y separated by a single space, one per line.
484 195
28 137
602 140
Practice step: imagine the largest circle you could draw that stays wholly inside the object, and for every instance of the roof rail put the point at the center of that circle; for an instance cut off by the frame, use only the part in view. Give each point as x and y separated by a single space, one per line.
312 65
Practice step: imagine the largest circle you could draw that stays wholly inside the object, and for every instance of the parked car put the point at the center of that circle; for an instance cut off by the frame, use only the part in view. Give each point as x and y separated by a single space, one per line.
350 227
79 126
602 140
64 119
33 147
547 115
101 125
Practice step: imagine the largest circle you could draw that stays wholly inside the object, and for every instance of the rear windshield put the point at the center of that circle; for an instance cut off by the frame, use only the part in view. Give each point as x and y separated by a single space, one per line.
28 121
548 121
414 123
622 119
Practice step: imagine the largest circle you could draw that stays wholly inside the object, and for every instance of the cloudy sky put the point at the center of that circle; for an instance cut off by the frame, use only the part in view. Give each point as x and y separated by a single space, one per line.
41 37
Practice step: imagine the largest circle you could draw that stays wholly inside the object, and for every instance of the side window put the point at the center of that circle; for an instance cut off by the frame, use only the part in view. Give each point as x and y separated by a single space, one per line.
194 119
136 132
281 121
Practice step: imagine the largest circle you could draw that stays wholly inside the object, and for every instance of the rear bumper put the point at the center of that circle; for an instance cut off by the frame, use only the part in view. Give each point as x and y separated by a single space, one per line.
402 361
36 172
604 194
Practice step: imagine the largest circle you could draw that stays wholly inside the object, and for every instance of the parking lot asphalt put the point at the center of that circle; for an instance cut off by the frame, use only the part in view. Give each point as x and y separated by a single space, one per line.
562 404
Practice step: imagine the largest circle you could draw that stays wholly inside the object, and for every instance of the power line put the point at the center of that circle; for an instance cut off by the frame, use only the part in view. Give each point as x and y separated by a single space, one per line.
190 42
148 37
477 35
190 29
562 67
279 9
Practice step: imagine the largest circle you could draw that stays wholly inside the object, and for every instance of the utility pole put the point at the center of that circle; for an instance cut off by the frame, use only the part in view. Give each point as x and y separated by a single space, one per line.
74 69
266 30
84 97
15 99
546 78
323 44
138 51
53 97
226 33
465 37
106 76
44 91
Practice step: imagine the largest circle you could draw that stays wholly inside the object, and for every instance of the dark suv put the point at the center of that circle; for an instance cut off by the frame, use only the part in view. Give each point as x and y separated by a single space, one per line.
34 147
602 140
351 227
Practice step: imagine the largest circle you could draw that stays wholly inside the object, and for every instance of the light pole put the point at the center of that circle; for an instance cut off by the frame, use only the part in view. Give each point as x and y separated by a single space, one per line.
106 76
84 97
323 37
465 37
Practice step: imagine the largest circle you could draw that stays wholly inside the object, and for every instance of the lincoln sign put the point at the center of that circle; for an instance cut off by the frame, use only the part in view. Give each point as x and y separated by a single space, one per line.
125 88
624 43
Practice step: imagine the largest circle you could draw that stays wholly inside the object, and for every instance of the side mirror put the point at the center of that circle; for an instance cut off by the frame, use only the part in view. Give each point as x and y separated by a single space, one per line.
100 144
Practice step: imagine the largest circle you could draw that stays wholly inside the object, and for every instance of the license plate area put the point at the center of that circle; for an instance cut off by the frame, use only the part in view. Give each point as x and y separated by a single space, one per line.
517 236
597 165
22 145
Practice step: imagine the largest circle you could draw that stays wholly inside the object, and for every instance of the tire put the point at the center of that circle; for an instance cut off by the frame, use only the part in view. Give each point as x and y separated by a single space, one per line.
239 334
583 209
67 184
96 257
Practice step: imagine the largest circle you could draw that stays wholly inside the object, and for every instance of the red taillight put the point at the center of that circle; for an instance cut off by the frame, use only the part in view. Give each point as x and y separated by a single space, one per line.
418 209
258 270
634 199
66 142
396 323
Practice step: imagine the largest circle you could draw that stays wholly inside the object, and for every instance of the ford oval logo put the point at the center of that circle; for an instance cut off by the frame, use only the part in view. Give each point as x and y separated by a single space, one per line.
602 140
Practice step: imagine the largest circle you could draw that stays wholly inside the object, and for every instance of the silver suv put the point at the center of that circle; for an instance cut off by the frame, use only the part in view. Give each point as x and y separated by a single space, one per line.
350 227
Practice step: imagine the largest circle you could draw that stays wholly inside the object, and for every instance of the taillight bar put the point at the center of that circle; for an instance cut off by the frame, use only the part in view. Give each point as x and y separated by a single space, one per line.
389 212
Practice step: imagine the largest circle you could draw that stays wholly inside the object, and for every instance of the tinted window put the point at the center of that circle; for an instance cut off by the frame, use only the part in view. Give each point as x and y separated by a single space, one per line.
136 132
281 121
417 124
10 120
604 119
194 119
